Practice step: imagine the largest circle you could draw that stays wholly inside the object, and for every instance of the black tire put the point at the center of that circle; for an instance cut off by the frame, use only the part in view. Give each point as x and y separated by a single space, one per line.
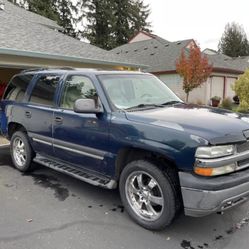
29 153
170 200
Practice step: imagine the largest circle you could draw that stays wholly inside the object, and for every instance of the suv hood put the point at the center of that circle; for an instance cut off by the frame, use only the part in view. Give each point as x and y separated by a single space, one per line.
217 126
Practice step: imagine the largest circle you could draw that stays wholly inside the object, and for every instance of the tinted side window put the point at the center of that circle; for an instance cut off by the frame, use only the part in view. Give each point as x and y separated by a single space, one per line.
44 90
77 87
17 87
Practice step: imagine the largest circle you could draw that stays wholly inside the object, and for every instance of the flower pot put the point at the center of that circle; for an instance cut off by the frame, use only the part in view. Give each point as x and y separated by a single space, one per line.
215 102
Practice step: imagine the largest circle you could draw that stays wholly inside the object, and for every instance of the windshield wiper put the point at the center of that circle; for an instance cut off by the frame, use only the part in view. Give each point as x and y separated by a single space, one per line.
143 106
153 105
172 102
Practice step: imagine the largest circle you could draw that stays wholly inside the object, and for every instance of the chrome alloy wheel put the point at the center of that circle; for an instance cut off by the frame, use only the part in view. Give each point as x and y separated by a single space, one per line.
144 195
19 152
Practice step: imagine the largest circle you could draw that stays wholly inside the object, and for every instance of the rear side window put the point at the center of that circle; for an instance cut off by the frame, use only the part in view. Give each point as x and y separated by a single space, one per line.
16 89
44 90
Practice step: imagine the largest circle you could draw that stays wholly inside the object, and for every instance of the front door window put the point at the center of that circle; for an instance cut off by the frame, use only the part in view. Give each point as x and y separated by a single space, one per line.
77 87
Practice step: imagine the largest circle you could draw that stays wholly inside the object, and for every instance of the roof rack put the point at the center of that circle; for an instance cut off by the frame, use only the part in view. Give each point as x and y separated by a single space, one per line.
46 68
32 69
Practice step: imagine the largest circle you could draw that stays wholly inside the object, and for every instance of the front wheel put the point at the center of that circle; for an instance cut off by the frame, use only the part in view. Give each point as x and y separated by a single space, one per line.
147 194
21 151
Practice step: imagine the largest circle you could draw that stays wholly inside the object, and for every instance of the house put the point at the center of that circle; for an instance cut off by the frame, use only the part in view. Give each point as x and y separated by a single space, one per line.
160 55
28 40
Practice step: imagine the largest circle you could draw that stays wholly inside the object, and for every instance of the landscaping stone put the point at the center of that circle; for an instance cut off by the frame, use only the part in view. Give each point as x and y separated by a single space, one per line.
3 141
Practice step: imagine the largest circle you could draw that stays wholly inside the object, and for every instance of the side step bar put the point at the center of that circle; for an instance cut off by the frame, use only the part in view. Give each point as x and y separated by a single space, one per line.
76 172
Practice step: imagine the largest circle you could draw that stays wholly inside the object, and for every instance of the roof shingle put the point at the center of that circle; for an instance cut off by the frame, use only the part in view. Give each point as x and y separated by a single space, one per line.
158 53
161 55
25 31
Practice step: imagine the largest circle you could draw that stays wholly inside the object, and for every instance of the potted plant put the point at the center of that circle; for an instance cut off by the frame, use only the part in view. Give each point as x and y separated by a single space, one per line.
215 101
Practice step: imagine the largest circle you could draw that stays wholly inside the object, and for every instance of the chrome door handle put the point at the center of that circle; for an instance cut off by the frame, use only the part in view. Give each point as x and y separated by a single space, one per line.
58 120
28 114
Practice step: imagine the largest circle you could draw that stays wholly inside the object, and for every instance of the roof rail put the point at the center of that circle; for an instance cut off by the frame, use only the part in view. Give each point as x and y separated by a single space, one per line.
46 68
32 69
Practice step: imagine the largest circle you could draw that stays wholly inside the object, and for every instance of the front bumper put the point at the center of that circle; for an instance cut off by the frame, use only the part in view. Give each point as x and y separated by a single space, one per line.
205 195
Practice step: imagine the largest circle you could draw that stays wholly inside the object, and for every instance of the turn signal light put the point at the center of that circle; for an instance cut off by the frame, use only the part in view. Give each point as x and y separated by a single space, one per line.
215 171
204 171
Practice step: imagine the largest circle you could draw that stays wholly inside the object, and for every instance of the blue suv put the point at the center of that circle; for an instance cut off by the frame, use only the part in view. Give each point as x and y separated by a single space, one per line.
128 130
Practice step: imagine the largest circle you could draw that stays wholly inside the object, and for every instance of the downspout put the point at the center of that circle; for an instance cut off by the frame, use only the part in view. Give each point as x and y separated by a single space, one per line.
224 87
211 86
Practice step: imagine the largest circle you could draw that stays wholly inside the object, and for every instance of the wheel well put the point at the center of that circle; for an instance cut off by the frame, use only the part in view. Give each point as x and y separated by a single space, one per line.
13 127
128 155
167 166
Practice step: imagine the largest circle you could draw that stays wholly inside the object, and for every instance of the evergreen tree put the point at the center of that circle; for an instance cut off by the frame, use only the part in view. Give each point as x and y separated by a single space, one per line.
131 17
14 2
112 23
100 19
234 41
65 10
20 3
140 13
123 14
46 8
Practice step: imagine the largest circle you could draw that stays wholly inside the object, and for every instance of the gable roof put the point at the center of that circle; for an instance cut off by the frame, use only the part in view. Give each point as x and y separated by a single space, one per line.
25 33
224 63
158 53
161 56
209 51
16 12
241 62
141 35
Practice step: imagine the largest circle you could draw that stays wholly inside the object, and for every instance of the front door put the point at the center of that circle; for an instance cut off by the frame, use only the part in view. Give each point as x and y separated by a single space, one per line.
80 139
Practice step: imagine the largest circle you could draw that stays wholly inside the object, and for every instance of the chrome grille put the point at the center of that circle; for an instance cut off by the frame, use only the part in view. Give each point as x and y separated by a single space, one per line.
244 162
243 147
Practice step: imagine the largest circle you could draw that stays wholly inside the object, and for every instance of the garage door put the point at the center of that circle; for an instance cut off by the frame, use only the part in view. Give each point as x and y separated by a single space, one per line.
229 92
5 75
217 86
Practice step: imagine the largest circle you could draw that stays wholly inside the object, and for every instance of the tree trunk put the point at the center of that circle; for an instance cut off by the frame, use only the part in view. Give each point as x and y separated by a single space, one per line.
187 95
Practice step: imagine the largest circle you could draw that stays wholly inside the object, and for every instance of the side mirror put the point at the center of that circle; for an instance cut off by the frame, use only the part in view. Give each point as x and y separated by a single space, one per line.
86 106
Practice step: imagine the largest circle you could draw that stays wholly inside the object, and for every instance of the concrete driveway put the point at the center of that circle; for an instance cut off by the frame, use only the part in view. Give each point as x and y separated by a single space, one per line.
47 209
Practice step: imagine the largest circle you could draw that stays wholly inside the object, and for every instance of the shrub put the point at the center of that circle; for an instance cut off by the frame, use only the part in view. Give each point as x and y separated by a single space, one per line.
241 87
216 98
243 106
227 104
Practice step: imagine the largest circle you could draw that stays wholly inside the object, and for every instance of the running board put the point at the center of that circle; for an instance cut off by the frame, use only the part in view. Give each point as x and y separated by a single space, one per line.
76 172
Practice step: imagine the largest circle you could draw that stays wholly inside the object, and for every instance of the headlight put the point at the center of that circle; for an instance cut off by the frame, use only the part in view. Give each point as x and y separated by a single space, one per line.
214 151
209 154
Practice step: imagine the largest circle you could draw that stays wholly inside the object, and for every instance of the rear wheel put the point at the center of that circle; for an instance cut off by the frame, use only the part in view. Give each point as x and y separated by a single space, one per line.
21 152
147 195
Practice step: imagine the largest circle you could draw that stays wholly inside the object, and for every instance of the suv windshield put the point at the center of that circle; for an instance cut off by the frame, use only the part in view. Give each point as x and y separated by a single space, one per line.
128 91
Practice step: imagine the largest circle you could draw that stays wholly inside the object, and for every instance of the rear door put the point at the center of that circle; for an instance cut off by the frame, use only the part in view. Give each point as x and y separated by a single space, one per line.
80 138
38 112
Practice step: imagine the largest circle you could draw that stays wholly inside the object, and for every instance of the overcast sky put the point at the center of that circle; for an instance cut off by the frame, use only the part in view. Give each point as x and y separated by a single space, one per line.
204 21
